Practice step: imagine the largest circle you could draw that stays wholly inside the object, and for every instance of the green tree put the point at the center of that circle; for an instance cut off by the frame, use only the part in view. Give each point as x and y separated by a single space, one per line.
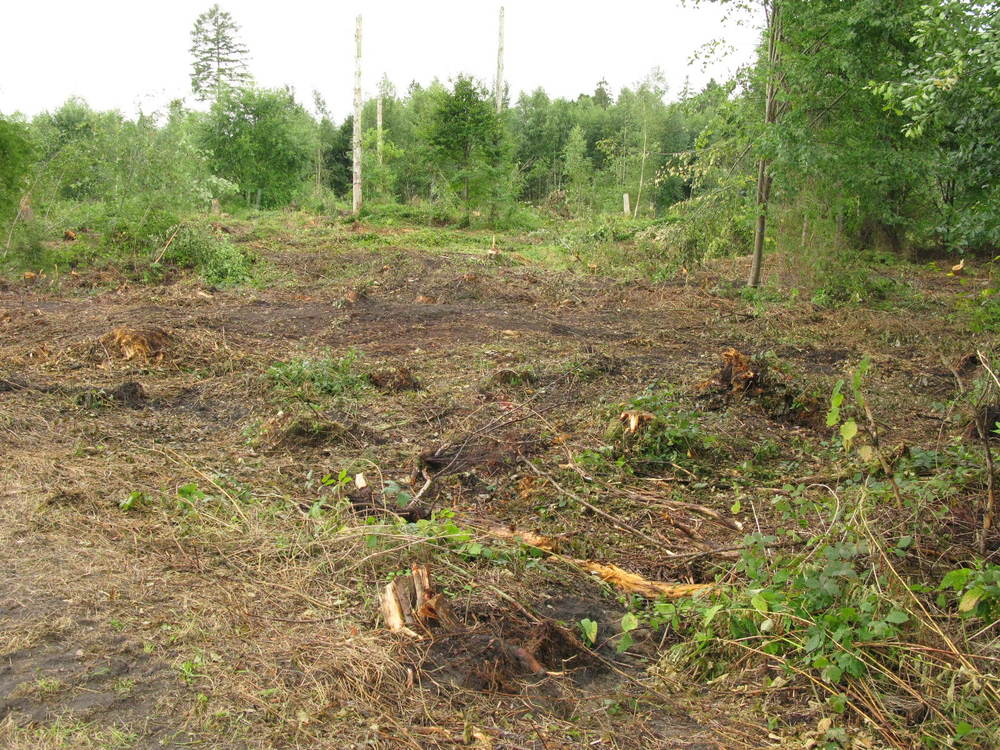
833 153
949 97
16 157
467 141
579 171
218 57
262 140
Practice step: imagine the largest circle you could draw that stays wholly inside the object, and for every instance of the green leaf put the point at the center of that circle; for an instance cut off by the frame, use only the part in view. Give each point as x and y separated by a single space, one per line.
814 641
956 579
629 622
710 614
624 643
831 673
962 728
759 603
970 599
589 629
133 500
897 617
848 431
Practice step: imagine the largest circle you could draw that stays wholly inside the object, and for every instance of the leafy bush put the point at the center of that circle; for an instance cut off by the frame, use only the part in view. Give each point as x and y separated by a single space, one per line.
137 229
307 378
982 311
389 214
852 279
663 434
217 260
976 589
831 601
16 154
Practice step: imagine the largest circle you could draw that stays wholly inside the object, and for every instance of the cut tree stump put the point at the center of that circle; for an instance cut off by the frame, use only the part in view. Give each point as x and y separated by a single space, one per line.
410 603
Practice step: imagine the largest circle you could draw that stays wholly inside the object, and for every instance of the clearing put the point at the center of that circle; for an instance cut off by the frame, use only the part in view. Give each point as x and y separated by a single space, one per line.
188 560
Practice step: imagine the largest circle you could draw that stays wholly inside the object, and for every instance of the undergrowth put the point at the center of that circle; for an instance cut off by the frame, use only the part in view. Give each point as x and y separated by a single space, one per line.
861 597
308 378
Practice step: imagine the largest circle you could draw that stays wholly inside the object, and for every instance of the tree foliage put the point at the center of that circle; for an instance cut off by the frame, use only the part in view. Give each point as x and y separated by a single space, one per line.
466 138
16 152
218 58
262 140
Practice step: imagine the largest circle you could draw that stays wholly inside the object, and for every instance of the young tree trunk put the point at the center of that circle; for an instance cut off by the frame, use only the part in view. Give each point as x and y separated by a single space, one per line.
498 84
319 168
378 127
356 136
642 171
625 206
763 168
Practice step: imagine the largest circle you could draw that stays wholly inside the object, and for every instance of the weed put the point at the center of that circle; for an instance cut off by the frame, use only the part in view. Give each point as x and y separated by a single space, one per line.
191 669
44 686
839 610
666 434
133 500
853 280
124 686
216 259
982 311
977 591
308 378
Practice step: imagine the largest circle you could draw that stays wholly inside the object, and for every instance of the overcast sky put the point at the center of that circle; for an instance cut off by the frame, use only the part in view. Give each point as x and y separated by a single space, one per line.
120 54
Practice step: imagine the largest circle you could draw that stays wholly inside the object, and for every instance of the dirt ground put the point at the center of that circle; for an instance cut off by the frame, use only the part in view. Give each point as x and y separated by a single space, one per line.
243 613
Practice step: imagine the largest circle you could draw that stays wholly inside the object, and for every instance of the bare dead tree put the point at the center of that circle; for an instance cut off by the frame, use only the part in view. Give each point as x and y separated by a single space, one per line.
356 136
498 84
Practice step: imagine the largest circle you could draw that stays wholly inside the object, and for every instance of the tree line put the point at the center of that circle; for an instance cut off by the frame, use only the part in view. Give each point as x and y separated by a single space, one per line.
872 122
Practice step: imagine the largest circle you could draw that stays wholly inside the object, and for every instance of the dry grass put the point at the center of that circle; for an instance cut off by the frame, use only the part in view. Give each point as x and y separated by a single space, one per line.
255 598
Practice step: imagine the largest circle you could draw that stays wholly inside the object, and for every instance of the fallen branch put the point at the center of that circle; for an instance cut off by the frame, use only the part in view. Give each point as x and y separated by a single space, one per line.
163 251
984 433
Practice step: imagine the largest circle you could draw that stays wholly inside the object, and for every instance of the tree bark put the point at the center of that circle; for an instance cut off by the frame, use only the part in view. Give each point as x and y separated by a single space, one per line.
356 135
764 178
498 84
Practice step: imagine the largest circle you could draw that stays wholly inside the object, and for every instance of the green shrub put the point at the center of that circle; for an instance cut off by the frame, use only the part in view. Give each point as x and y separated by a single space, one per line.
664 435
853 278
982 311
308 378
137 229
216 259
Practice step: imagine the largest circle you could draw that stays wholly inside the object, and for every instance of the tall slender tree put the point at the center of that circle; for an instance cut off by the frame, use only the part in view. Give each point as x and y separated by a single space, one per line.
219 58
772 10
356 135
498 83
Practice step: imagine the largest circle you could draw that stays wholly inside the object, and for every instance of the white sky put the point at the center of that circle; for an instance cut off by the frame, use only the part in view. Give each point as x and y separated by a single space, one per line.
126 54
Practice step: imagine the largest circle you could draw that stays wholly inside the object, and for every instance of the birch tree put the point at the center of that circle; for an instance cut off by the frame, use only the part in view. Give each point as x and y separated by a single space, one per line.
356 135
772 10
498 83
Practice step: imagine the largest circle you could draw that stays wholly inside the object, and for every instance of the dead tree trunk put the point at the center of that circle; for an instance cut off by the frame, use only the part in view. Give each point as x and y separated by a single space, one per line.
498 84
764 178
356 136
